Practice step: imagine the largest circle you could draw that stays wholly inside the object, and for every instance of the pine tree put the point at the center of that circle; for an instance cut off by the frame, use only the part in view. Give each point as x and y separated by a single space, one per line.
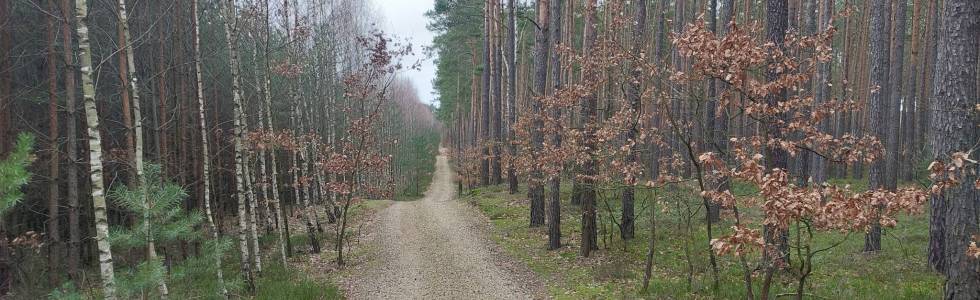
160 203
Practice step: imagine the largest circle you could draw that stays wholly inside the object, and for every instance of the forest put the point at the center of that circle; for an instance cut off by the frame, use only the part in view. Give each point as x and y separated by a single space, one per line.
573 149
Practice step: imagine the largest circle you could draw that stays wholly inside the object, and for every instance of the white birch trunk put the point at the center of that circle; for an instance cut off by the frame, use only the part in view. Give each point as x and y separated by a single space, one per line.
94 152
206 180
231 37
127 47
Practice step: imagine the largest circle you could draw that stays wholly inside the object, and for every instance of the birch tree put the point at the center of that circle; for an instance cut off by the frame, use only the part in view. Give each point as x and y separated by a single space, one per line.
133 87
94 151
230 16
205 162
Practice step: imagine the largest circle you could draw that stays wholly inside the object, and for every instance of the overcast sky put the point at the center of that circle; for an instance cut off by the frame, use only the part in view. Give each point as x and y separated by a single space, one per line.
406 19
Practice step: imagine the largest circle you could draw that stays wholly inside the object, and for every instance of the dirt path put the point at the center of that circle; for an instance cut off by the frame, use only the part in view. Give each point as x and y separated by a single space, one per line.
436 248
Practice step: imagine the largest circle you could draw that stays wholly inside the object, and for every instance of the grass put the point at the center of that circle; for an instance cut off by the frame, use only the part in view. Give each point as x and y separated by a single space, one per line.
195 278
900 271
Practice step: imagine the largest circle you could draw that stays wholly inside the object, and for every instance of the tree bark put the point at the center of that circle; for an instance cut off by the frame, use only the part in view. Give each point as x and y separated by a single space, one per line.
954 129
589 108
541 47
205 161
554 202
54 158
878 102
497 127
823 93
485 108
129 71
269 127
95 152
231 35
896 93
776 157
74 231
511 91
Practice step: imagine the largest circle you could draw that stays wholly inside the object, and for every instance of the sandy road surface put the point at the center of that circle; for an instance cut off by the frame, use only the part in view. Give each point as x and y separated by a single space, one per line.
436 248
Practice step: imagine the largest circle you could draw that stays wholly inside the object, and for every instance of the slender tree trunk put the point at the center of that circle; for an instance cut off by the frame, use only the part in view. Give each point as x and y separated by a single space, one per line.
511 91
554 202
54 158
541 47
633 91
776 157
498 103
95 152
937 206
283 249
205 161
896 86
133 87
909 157
818 164
484 138
878 102
590 122
252 210
74 231
954 129
231 36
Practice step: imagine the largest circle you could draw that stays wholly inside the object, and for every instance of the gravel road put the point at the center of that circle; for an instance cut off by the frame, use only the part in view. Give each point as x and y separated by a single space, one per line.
437 248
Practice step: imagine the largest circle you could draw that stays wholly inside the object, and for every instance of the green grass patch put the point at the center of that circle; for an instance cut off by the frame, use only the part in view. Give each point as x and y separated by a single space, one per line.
681 268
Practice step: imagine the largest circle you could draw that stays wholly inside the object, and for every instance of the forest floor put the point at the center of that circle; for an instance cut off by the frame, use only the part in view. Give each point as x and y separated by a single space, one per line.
437 248
680 266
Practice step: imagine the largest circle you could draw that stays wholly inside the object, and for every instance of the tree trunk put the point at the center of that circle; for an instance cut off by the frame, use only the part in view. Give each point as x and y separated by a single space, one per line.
954 129
776 157
95 152
54 159
554 202
511 91
541 47
130 71
231 35
283 250
897 84
878 102
633 91
818 164
589 121
909 157
485 102
74 231
498 103
205 161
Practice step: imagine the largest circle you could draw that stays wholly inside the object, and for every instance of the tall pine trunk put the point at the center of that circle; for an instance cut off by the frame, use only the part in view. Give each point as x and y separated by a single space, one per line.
54 158
541 47
74 231
896 88
878 102
511 91
818 164
633 91
777 15
554 201
589 106
954 129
